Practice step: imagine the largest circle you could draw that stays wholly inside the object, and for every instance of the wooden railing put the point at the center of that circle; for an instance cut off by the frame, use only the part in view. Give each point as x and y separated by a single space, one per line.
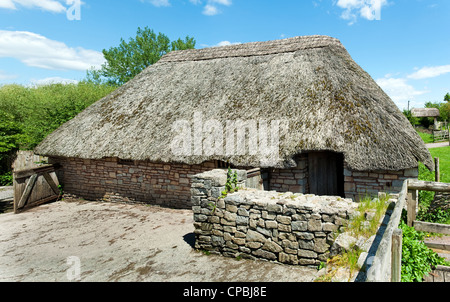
413 186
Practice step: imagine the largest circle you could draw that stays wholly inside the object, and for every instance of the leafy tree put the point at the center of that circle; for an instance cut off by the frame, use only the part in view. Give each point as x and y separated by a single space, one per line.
447 97
10 136
128 59
411 118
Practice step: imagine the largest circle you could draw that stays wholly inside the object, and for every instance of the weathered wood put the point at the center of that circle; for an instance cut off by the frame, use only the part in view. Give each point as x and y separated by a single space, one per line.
34 187
37 203
29 172
411 207
432 227
437 172
396 264
428 186
27 191
50 181
325 175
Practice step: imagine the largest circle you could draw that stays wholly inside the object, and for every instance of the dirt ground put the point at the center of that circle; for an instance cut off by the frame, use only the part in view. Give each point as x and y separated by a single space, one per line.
104 242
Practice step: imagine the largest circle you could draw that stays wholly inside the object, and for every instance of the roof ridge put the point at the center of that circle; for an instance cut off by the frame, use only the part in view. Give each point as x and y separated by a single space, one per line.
252 49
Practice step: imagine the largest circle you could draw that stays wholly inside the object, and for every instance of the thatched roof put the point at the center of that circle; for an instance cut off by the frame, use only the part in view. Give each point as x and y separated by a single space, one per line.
425 112
310 83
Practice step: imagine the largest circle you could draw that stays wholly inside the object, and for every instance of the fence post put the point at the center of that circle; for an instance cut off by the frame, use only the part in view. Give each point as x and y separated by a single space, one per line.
437 172
396 261
411 206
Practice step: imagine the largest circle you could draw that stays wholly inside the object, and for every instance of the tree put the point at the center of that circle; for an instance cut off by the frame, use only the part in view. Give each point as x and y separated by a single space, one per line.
447 97
411 118
128 59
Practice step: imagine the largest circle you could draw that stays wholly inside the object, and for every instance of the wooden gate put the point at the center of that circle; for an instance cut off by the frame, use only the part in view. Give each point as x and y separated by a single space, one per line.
36 186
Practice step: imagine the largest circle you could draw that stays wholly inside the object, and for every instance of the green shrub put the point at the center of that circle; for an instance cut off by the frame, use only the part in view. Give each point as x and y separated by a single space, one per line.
417 259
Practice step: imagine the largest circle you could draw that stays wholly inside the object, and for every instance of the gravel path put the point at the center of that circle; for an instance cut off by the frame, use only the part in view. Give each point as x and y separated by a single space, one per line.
89 241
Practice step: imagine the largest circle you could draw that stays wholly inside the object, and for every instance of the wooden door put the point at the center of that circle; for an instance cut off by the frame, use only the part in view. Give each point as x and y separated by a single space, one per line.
326 173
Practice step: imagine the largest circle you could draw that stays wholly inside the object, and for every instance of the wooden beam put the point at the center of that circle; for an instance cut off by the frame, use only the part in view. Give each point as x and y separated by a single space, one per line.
432 227
411 207
428 186
396 262
52 184
437 172
27 191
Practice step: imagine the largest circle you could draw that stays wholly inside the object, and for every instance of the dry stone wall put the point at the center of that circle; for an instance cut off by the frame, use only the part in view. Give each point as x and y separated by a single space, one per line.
112 180
283 227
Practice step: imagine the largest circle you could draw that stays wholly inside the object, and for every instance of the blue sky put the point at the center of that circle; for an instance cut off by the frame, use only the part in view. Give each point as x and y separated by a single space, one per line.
403 44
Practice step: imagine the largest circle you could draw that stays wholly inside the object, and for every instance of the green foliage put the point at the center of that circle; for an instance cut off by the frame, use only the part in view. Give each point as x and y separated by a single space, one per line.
128 59
417 259
6 179
426 213
411 118
231 184
29 114
447 97
444 162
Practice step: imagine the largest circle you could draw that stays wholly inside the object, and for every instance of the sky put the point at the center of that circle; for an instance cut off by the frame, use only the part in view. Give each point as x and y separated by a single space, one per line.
403 44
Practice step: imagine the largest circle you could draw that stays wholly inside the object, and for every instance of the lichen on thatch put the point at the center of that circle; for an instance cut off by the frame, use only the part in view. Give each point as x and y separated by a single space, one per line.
311 84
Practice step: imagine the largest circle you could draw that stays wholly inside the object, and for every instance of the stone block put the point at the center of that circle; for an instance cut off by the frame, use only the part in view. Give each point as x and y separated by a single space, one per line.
299 225
284 219
264 254
287 258
314 225
307 254
270 224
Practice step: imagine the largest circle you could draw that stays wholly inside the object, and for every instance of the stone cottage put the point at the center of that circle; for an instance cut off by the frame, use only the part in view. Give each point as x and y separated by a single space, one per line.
300 109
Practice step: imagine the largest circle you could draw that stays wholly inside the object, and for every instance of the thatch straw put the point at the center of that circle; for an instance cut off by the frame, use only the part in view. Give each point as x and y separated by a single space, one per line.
312 83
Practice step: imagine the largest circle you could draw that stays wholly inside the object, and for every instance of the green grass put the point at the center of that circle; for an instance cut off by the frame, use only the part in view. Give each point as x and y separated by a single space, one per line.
427 197
358 226
444 162
426 137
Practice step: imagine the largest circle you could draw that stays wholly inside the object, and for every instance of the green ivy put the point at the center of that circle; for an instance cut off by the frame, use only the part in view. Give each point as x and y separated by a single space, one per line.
417 259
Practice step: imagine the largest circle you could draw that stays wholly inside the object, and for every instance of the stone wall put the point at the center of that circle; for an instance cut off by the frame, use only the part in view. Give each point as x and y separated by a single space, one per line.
291 180
115 181
356 184
360 184
283 227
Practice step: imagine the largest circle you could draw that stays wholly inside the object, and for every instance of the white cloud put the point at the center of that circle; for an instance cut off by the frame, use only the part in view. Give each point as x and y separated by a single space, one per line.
46 5
7 4
38 51
159 3
430 72
367 9
210 10
211 7
227 43
399 90
52 80
222 2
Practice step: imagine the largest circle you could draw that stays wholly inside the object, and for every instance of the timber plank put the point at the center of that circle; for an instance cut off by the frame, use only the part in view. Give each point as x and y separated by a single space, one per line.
27 191
432 227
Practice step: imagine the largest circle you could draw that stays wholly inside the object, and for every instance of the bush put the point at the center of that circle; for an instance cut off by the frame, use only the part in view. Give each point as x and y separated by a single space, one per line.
29 114
417 259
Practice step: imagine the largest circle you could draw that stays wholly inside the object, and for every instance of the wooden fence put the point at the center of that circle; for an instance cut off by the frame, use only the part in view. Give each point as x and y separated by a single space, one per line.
35 186
411 203
440 135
